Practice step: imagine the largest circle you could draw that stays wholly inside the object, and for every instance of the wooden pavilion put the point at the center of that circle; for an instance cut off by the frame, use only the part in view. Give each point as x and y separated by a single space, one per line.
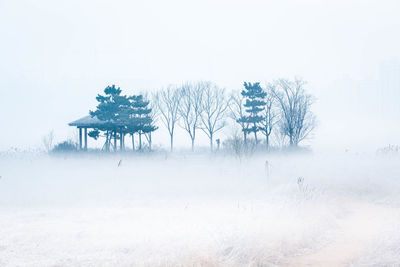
87 122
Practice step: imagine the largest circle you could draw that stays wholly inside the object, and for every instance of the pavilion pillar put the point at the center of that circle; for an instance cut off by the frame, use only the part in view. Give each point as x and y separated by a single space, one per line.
121 141
85 138
80 138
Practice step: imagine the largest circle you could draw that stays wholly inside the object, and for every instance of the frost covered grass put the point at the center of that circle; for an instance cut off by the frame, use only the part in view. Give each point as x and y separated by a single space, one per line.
385 249
185 210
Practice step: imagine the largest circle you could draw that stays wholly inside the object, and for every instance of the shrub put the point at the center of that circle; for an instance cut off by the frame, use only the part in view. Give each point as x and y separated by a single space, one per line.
66 146
390 150
236 146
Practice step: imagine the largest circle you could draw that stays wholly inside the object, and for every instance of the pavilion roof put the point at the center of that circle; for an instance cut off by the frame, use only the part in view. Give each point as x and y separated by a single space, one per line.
87 121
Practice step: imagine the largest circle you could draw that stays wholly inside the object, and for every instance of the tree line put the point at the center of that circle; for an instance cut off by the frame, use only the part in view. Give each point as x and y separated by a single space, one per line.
122 115
282 107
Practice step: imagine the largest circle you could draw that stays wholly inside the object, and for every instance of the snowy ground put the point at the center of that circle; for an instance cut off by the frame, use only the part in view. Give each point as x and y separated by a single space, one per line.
199 210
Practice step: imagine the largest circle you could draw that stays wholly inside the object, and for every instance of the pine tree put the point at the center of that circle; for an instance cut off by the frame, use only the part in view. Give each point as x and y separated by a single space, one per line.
254 105
140 120
112 109
122 115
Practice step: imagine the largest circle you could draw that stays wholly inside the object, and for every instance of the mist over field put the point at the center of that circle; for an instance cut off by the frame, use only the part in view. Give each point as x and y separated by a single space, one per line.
204 210
200 133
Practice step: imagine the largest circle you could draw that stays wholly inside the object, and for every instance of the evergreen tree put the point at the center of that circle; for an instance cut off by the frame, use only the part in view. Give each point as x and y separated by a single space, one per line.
139 120
113 110
254 105
122 115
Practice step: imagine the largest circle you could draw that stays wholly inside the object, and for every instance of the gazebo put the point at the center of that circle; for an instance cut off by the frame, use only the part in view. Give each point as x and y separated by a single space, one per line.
85 123
89 122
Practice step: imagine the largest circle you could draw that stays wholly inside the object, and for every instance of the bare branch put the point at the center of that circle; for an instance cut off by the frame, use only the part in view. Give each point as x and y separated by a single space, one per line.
298 121
190 107
167 103
214 107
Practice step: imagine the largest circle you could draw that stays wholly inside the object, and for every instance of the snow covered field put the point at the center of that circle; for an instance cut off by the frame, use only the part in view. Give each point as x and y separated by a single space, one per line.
199 210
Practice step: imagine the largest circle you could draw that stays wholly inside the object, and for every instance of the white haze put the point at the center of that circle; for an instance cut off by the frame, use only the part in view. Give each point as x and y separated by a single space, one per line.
57 55
186 210
200 209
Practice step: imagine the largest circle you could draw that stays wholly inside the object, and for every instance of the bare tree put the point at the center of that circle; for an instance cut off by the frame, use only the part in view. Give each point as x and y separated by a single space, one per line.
190 107
48 140
297 119
270 114
280 139
214 107
237 112
154 114
167 102
235 144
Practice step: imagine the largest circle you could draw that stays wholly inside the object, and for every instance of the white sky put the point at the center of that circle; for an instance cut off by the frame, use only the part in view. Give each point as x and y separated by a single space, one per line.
55 56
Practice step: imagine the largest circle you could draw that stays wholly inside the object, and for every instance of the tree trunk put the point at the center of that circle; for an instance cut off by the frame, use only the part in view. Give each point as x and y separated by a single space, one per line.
267 141
150 140
211 143
133 142
115 140
255 133
140 141
172 142
109 135
120 140
106 143
192 144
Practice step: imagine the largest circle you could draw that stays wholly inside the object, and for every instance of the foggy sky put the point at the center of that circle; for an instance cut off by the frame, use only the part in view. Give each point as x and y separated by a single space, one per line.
55 56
